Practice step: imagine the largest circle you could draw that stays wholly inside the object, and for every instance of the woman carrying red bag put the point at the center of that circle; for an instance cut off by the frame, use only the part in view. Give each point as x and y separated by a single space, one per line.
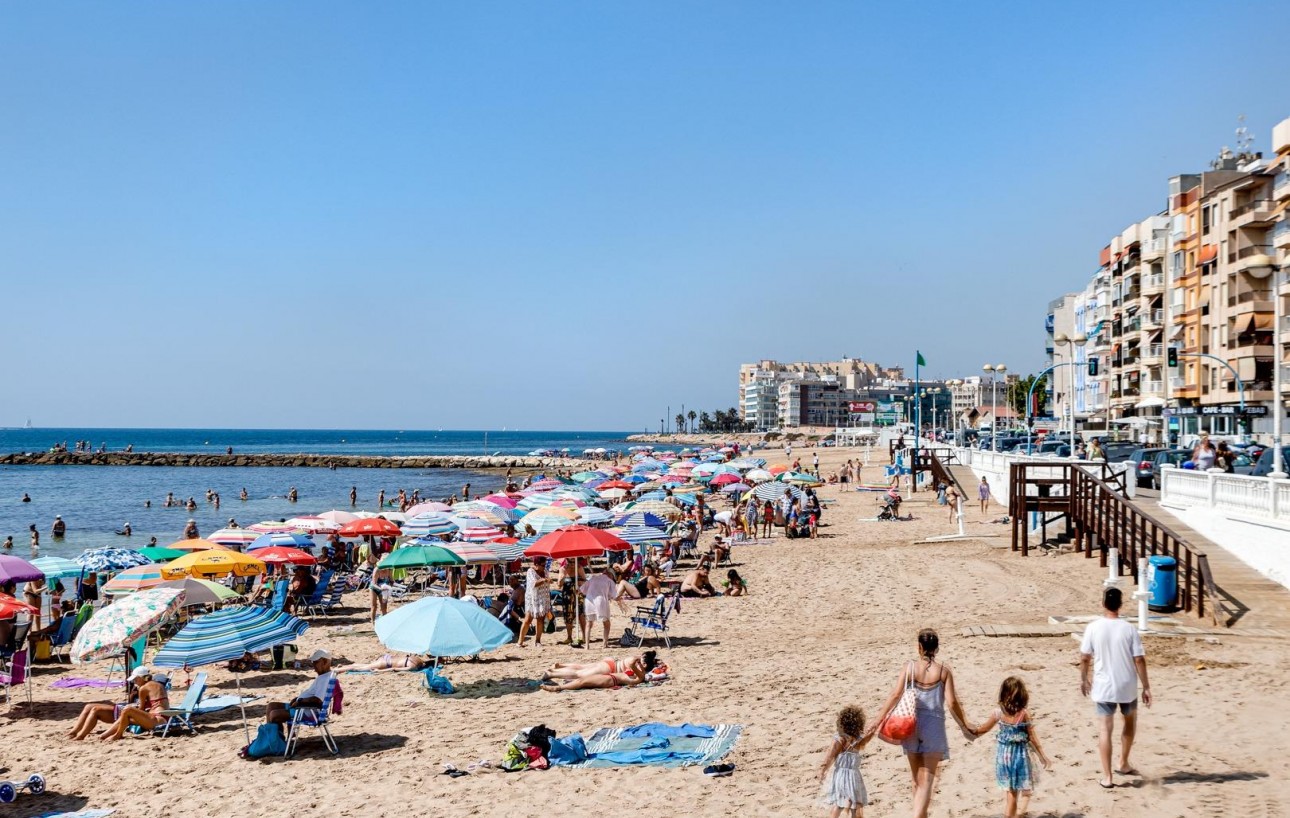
925 743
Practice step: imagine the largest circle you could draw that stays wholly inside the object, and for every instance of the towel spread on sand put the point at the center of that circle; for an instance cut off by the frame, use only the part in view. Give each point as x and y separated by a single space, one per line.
660 745
71 682
85 813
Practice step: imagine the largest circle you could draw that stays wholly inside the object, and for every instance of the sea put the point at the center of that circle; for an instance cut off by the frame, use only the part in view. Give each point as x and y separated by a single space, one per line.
96 501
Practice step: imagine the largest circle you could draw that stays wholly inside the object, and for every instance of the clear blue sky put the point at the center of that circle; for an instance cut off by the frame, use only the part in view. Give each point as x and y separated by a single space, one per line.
570 215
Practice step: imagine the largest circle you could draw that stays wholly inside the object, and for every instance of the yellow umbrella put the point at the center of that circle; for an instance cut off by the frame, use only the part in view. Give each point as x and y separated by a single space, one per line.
213 564
553 511
198 545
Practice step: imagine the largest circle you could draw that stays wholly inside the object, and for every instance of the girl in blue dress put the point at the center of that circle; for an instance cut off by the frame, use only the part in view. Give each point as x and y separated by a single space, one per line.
1014 769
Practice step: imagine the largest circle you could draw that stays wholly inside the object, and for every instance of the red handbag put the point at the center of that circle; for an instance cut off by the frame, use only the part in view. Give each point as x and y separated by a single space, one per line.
902 721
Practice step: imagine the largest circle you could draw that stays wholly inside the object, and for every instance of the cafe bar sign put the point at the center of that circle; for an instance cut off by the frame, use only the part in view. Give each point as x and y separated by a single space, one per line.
1220 409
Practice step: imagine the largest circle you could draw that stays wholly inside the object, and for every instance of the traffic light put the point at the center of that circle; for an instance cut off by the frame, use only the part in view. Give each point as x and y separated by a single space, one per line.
1172 356
1092 366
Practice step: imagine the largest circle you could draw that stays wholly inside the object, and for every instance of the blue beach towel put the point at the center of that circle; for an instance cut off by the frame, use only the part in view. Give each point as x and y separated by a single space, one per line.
661 745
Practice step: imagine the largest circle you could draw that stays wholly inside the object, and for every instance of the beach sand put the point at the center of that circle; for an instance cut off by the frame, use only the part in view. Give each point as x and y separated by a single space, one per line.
828 623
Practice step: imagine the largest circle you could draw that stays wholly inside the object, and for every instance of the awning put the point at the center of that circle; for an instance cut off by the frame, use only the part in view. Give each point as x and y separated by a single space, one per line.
1151 402
1208 252
1258 321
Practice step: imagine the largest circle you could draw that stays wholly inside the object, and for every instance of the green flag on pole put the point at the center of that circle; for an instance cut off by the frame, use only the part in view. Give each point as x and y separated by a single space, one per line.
920 360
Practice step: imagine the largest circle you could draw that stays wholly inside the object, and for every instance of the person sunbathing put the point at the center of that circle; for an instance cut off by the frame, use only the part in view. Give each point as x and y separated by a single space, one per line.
637 665
602 681
92 715
393 661
153 699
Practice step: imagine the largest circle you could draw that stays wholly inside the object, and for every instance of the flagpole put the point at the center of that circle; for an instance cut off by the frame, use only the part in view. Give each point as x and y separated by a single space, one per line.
918 420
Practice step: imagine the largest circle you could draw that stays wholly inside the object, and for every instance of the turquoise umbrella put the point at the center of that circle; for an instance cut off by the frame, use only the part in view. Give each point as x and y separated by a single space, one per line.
57 567
442 626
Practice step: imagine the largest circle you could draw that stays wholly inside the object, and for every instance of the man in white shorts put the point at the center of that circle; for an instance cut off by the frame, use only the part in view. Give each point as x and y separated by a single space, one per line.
1112 662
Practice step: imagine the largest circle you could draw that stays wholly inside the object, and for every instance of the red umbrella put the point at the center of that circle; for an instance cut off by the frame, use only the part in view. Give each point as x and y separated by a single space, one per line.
725 479
10 607
576 541
616 484
283 554
375 526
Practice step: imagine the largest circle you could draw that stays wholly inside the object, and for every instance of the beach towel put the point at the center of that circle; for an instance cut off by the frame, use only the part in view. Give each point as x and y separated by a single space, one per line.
84 813
72 682
660 745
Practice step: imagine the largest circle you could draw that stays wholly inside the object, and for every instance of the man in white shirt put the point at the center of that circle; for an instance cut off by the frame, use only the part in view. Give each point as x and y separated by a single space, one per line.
1112 662
599 590
311 696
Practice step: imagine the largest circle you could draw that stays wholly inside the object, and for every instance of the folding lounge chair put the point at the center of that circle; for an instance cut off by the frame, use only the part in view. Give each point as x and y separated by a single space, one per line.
17 674
655 617
61 642
333 599
317 718
314 602
195 704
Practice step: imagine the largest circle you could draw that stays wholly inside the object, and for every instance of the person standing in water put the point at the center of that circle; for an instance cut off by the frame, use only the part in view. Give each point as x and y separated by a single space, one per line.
353 496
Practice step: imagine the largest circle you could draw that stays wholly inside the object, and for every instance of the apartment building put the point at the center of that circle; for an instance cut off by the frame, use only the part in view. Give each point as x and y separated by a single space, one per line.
774 394
1203 277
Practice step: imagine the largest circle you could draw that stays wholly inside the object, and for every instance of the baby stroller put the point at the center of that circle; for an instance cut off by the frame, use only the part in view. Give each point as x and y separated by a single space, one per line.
890 507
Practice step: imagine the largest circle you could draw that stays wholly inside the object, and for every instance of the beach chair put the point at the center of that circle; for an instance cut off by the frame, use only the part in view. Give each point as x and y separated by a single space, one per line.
318 718
313 604
17 674
279 598
195 704
655 617
60 644
333 600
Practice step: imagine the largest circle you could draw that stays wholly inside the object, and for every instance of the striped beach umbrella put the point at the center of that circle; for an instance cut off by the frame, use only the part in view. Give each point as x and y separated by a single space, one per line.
637 518
57 567
658 508
735 488
312 524
236 538
758 475
429 524
228 634
281 539
546 484
509 549
658 494
495 514
775 491
503 500
120 624
544 523
270 526
590 515
196 544
138 578
110 559
473 552
481 533
337 517
613 494
640 534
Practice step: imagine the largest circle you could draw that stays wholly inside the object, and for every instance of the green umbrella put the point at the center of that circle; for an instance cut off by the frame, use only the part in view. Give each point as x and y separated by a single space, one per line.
159 554
201 591
416 556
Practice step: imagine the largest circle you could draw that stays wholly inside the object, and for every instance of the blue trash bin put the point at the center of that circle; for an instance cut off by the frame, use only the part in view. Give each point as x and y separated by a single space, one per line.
1162 583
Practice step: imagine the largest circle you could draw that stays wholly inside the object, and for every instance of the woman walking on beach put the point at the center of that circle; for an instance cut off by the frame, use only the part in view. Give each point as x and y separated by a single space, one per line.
983 494
537 601
933 685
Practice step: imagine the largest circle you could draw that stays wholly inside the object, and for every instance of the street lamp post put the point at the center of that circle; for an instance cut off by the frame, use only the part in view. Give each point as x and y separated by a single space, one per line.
1062 340
994 369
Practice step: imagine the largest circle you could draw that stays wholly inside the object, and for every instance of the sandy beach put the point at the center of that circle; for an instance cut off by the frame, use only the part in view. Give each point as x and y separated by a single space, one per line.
827 623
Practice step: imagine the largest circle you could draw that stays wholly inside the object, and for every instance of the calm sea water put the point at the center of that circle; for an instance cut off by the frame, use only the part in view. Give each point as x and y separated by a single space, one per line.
95 501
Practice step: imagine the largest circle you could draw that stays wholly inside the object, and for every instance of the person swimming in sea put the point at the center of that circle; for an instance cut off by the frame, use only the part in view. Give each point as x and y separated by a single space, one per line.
26 498
125 530
243 495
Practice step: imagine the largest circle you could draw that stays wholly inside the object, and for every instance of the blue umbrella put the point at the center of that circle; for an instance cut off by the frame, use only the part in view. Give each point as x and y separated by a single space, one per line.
290 539
229 634
111 559
442 626
57 567
640 533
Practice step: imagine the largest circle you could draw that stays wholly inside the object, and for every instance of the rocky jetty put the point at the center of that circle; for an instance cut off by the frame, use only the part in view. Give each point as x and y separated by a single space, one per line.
321 461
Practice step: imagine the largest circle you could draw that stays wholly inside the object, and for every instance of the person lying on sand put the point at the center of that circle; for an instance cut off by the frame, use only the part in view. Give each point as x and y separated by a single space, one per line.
393 661
637 665
603 681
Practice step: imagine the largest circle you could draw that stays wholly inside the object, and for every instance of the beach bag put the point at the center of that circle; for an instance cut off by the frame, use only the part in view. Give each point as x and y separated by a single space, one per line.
629 639
268 742
902 721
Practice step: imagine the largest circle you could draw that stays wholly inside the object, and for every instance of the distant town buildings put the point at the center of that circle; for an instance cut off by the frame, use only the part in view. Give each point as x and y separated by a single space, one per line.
1204 277
775 395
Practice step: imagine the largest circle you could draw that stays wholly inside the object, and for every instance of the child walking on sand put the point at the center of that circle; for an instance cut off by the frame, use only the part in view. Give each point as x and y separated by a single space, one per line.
845 790
1014 769
983 494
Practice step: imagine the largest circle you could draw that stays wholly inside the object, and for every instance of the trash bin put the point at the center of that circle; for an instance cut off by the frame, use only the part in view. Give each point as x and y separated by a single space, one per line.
1162 583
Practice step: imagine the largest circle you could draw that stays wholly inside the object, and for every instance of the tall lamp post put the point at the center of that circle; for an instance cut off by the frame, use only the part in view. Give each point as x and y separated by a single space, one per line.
994 369
1062 340
953 386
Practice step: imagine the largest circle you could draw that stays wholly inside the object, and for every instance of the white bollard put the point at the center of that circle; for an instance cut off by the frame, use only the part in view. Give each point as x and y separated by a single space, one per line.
959 507
1142 595
1113 578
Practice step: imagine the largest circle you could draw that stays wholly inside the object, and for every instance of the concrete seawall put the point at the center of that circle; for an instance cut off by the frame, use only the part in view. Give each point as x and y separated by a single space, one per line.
285 460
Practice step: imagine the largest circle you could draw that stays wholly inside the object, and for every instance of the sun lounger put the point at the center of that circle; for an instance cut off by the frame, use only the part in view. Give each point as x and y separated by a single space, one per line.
196 704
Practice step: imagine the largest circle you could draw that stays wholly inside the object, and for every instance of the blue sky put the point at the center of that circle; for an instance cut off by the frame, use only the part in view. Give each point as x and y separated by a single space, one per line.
569 215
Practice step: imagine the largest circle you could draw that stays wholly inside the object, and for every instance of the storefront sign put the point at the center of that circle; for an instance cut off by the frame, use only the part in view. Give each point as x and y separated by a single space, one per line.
1220 409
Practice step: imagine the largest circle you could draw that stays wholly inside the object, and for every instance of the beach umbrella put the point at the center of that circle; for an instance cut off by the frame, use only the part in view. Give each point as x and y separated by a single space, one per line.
775 491
683 498
780 469
590 515
489 516
506 514
418 556
640 533
545 484
584 476
619 484
270 526
758 476
337 517
197 544
502 500
229 634
725 479
429 524
689 488
312 524
640 518
99 560
11 607
509 549
657 508
432 505
798 477
479 533
736 488
120 624
545 523
442 626
156 553
16 569
282 539
472 552
284 555
613 494
57 567
395 516
201 591
234 538
138 578
657 494
374 526
213 564
576 541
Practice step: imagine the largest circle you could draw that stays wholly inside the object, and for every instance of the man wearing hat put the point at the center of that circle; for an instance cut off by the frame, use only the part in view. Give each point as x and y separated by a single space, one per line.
311 696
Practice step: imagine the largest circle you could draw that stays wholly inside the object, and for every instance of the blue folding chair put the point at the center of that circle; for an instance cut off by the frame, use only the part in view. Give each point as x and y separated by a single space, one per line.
61 642
655 617
316 717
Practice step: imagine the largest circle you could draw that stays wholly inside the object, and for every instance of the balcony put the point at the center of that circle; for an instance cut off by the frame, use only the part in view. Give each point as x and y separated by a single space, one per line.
1153 387
1249 301
1280 235
1251 257
1153 249
1153 284
1134 324
1153 318
1256 213
1281 186
1153 352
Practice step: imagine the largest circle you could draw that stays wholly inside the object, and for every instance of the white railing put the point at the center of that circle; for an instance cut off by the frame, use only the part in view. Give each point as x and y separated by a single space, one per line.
1153 387
994 467
1256 499
1281 185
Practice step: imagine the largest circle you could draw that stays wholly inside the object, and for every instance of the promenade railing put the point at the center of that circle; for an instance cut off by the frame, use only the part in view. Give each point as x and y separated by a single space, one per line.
1243 497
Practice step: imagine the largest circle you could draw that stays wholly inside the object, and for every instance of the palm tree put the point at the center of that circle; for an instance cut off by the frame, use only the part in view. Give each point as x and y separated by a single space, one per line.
705 422
680 422
692 416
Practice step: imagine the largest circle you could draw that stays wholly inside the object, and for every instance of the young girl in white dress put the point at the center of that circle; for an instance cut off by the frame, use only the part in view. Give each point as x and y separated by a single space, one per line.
845 790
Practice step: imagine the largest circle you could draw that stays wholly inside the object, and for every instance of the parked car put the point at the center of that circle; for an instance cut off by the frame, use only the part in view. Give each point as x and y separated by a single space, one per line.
1118 451
1144 464
1263 466
1174 457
